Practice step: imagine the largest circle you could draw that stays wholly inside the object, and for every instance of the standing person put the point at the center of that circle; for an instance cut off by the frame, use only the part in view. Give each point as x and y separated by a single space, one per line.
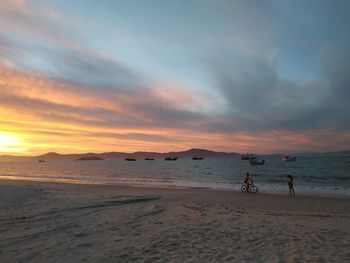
290 185
247 180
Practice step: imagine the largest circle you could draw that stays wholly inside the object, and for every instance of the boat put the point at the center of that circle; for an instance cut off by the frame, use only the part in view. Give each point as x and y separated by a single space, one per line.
41 161
248 157
256 162
149 159
197 158
289 159
130 159
170 158
92 158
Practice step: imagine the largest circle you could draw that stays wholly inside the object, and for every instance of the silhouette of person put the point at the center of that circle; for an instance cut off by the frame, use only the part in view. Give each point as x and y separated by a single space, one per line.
290 185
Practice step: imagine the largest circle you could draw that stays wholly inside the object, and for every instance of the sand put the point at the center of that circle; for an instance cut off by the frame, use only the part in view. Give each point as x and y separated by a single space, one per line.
53 222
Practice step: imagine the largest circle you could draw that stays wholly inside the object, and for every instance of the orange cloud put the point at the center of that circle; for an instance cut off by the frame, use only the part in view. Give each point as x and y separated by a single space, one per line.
48 115
54 115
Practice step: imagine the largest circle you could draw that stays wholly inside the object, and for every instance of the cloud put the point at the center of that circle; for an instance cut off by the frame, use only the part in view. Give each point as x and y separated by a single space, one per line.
51 100
33 20
50 77
285 141
336 62
132 120
260 99
58 113
247 72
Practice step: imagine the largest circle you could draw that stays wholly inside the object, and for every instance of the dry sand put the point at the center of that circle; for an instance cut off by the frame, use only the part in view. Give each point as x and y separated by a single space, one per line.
52 222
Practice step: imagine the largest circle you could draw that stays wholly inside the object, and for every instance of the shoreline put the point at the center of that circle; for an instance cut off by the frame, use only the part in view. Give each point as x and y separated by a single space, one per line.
132 189
52 222
155 186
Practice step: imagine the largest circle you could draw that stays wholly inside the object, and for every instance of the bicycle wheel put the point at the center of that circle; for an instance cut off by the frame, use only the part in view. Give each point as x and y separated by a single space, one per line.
244 188
253 189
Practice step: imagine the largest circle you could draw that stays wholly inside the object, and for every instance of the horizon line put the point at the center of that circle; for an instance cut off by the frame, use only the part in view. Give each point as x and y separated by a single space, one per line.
232 152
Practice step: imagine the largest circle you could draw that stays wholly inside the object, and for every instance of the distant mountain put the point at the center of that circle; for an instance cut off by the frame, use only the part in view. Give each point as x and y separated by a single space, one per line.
203 153
50 156
121 155
141 155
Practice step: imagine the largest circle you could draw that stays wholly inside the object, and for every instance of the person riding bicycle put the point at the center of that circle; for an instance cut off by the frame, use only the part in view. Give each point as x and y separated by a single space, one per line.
247 181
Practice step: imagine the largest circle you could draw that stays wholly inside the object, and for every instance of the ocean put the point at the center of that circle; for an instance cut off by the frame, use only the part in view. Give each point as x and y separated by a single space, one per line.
312 175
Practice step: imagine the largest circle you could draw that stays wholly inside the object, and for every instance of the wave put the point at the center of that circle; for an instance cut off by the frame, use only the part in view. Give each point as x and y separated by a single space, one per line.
310 177
275 180
344 178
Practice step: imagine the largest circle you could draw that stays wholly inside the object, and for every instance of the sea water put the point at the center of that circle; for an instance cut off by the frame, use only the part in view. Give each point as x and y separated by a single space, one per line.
312 175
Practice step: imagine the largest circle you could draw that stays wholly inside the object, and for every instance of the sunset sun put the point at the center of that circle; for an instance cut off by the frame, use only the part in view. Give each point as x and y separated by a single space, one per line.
9 143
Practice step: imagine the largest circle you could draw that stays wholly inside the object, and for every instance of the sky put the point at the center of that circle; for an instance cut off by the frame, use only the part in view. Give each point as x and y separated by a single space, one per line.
159 75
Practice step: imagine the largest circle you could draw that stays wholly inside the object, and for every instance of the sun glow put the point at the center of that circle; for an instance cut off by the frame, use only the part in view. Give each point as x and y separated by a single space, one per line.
10 143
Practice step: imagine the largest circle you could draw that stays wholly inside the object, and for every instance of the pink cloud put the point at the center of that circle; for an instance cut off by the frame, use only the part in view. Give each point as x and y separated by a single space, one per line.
54 115
41 21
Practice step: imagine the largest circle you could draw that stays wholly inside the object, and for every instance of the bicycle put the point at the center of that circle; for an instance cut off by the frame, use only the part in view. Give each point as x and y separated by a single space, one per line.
253 189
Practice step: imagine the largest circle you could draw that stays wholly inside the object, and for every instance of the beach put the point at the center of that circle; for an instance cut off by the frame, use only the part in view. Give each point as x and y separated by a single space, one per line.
58 222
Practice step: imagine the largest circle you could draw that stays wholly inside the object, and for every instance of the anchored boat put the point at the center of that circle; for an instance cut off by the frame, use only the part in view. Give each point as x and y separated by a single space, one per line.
170 158
256 162
248 157
289 159
130 159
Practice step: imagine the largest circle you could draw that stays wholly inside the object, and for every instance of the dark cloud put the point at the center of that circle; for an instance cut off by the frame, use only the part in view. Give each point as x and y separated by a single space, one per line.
93 70
81 67
259 100
337 69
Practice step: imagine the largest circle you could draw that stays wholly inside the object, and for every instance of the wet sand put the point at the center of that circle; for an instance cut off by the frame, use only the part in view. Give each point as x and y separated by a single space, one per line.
54 222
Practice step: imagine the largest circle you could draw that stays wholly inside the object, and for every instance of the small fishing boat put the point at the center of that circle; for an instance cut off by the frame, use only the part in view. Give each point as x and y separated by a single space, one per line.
197 158
170 158
256 162
149 159
41 161
130 159
248 157
289 159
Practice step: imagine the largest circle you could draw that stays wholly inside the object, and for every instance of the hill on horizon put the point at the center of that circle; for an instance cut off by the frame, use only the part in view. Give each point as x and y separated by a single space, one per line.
122 155
194 152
